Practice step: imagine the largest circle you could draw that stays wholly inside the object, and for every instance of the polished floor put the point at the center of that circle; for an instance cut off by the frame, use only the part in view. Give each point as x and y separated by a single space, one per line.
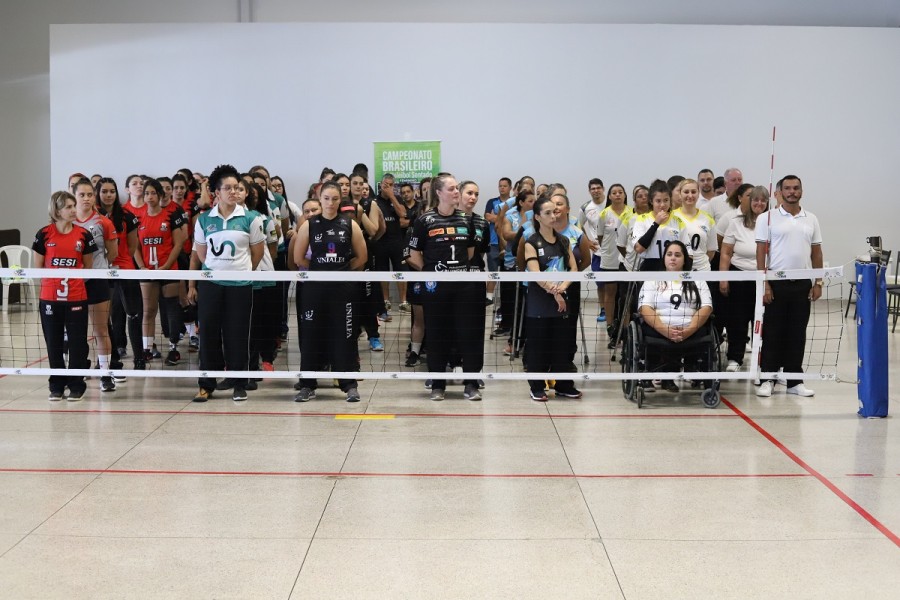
143 494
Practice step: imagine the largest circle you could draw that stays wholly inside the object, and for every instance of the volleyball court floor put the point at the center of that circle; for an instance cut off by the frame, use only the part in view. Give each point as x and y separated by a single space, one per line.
143 493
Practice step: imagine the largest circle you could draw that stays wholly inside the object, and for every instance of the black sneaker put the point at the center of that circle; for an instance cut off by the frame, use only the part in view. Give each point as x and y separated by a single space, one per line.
147 356
75 396
305 395
353 395
173 357
107 384
140 365
299 385
225 384
471 392
252 385
55 396
501 331
573 393
155 353
239 394
540 396
194 344
413 359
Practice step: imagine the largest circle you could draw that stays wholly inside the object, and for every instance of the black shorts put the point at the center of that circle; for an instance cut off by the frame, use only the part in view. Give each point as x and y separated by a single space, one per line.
97 290
414 292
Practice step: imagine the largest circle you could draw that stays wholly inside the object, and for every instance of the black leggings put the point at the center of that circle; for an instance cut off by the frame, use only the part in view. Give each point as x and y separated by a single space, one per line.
59 319
328 335
454 319
126 314
265 325
224 318
549 341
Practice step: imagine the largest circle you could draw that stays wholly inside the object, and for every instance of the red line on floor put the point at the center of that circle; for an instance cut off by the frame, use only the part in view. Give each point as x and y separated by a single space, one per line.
409 475
822 479
859 475
332 415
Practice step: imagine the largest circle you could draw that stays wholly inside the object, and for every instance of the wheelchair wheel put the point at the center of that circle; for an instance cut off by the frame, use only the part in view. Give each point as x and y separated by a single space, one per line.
639 396
629 364
711 397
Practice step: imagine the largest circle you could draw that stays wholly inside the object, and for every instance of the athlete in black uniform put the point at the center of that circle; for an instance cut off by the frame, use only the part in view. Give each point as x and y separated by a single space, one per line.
337 244
547 309
442 240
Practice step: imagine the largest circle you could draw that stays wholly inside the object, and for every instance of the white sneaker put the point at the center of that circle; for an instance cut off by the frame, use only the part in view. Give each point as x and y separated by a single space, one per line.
765 390
800 390
733 366
779 378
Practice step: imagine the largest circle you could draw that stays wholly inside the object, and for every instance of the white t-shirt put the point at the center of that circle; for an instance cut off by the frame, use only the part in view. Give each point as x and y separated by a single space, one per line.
717 207
703 203
699 236
667 299
722 226
791 238
608 225
589 221
744 242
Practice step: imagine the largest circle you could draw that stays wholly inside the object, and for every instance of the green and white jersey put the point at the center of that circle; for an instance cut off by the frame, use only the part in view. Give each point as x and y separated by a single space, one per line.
228 240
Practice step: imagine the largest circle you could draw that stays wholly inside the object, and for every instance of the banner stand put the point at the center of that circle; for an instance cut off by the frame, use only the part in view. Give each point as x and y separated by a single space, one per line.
872 340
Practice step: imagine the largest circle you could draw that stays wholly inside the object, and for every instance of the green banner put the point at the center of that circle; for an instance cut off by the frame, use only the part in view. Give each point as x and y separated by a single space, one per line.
408 162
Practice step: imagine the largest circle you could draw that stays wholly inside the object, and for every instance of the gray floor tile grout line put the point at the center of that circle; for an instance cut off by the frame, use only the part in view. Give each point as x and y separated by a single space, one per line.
89 483
586 504
330 494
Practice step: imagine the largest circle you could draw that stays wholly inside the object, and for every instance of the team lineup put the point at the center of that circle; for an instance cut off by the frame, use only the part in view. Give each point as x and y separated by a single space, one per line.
233 221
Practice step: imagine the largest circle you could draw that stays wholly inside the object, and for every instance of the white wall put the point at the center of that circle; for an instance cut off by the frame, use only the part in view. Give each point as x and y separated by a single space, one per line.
561 102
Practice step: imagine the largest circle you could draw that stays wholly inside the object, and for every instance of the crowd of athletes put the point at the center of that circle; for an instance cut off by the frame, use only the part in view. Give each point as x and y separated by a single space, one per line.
234 221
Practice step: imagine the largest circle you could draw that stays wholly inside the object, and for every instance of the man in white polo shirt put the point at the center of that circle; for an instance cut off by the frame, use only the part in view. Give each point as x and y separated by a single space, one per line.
790 238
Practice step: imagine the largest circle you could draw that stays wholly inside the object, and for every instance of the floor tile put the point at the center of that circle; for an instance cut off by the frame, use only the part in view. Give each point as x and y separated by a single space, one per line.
64 450
788 569
8 540
441 508
721 509
237 453
28 499
194 506
472 454
568 569
68 420
88 567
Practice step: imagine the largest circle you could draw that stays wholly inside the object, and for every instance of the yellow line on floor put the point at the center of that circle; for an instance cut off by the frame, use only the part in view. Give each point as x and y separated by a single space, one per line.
364 417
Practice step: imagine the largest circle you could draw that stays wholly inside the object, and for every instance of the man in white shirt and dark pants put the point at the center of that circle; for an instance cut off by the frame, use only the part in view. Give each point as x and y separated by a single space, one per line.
790 238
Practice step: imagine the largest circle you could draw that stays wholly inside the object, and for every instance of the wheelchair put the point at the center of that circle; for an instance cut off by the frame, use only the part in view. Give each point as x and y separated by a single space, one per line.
700 352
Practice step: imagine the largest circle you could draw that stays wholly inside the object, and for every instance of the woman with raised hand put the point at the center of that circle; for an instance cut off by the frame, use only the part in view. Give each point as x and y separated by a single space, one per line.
226 238
63 301
739 254
549 339
654 231
106 240
335 243
442 241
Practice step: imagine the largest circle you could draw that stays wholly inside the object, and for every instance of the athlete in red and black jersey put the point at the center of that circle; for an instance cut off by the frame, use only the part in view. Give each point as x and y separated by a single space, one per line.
126 310
442 240
160 237
63 306
191 210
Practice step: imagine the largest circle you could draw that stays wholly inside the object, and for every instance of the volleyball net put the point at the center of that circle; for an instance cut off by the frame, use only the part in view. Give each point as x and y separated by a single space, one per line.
597 357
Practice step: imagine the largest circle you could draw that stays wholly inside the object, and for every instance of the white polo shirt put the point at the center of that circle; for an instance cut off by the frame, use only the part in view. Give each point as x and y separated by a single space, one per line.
717 207
791 238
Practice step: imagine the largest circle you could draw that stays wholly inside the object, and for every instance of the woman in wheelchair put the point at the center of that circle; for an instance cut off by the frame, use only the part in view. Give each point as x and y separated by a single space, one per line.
675 313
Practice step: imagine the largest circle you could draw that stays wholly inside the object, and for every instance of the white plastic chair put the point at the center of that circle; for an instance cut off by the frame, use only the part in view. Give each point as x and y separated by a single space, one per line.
18 257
